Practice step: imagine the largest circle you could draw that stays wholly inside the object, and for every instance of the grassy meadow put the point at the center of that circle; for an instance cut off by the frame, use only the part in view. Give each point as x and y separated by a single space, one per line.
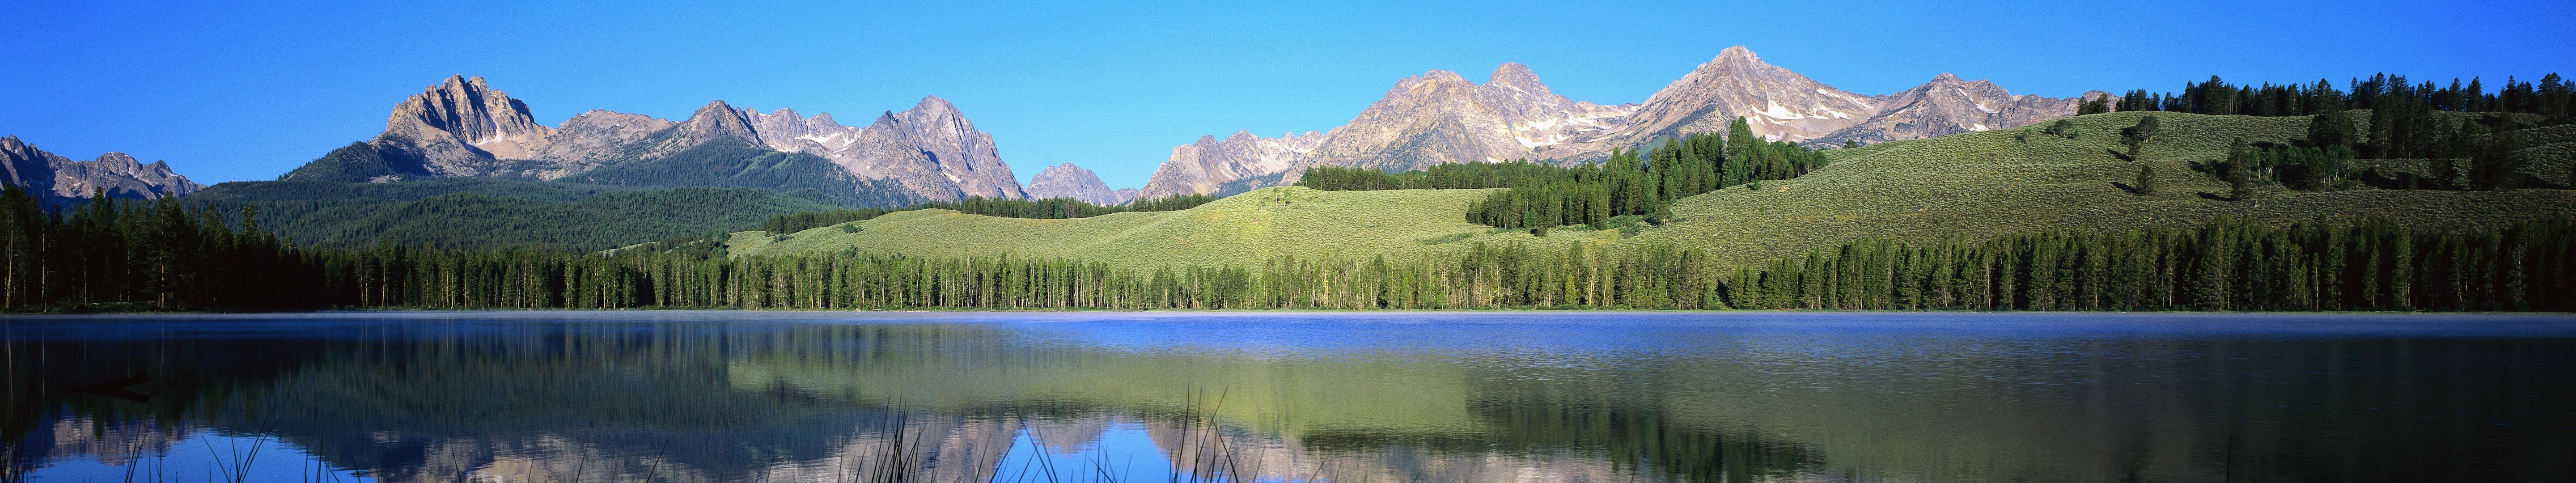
1246 228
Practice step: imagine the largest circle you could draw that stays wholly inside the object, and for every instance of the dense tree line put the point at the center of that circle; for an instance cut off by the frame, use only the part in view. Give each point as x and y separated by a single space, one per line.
148 255
2227 265
1047 208
2549 98
1632 183
168 256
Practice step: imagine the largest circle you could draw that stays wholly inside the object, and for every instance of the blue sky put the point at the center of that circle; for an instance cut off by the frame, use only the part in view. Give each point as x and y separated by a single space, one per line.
229 92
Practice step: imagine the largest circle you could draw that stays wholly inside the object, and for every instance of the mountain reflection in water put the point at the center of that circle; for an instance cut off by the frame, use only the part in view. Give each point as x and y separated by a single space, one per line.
1350 397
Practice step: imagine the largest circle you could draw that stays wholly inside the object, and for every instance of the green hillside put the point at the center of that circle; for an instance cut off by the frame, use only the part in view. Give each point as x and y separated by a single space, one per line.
1245 228
496 212
2022 180
1970 185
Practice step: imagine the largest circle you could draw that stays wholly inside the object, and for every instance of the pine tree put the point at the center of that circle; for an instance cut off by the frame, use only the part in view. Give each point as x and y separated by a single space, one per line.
2146 179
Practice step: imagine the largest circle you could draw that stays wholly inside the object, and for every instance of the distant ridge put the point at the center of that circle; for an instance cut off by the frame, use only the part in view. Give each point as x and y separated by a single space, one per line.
1440 117
57 178
1069 181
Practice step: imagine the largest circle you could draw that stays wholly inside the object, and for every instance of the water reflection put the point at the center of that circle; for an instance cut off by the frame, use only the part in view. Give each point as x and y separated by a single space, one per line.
557 397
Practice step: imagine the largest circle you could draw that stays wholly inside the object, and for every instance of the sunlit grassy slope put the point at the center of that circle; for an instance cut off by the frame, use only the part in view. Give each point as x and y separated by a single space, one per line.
1246 228
1975 185
1990 183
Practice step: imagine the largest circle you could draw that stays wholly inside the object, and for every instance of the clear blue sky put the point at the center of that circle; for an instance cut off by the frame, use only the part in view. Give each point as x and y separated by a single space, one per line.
248 92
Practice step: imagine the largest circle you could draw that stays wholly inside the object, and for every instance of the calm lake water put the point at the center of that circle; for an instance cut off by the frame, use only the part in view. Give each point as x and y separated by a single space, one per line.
1347 397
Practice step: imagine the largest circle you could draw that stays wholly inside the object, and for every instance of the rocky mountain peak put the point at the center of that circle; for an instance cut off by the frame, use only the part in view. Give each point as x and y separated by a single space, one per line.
1069 181
1241 160
1516 76
719 119
486 123
933 106
943 143
1780 104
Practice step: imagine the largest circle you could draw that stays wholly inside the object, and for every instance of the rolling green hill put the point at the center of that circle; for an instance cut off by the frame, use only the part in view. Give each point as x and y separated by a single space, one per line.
2018 180
1245 228
1969 185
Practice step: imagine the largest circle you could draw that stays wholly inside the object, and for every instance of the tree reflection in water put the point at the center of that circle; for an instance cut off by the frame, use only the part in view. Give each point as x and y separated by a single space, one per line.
772 397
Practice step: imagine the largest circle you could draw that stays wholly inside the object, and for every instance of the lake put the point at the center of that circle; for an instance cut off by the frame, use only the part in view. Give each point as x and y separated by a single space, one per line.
1347 397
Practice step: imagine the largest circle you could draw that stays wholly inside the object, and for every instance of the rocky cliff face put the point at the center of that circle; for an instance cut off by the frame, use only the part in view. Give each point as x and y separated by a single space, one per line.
1440 117
930 148
58 178
1069 181
462 127
590 140
1210 165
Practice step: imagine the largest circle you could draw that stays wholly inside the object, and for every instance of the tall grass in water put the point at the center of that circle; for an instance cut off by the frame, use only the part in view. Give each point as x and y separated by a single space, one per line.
1203 448
900 458
235 465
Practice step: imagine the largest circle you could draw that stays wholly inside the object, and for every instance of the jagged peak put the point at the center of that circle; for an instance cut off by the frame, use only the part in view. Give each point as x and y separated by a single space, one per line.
457 83
1439 75
1244 134
118 158
1946 77
933 104
719 117
713 107
1738 54
1516 76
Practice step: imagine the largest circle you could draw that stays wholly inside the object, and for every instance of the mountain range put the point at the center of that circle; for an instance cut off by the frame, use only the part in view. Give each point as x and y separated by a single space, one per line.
57 179
1440 117
462 127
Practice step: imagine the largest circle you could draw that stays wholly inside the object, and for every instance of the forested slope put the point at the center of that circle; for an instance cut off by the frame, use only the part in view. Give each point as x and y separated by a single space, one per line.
498 212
